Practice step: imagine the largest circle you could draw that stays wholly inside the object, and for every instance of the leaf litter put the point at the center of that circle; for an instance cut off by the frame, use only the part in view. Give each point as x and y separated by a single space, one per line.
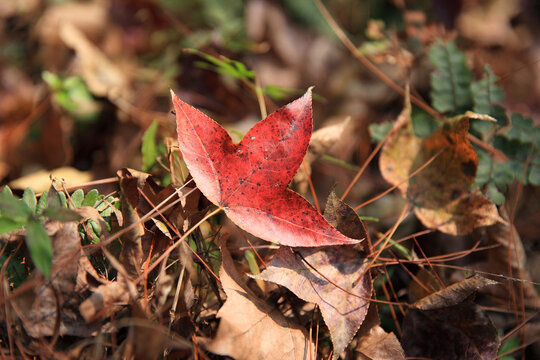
440 192
108 296
326 276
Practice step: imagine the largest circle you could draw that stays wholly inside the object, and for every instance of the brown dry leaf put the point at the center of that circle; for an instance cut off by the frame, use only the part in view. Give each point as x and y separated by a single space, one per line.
490 24
374 343
429 282
103 77
89 17
461 331
316 276
344 218
104 301
40 180
251 329
68 278
453 294
440 192
321 141
443 326
379 345
132 253
142 195
341 265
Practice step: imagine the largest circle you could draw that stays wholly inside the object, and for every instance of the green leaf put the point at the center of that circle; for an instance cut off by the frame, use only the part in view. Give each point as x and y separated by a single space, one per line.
29 197
53 200
61 214
379 131
149 147
77 198
534 176
63 199
105 206
42 202
278 92
8 225
450 82
484 169
15 268
6 190
252 262
486 92
522 129
494 194
90 198
223 65
52 80
508 346
13 208
423 124
40 247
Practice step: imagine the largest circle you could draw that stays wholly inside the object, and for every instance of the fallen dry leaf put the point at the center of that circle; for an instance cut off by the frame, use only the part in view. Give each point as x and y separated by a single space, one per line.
321 275
89 17
379 345
38 310
249 180
103 77
104 301
251 329
321 141
342 312
443 326
132 253
40 180
453 294
460 331
490 23
373 343
440 192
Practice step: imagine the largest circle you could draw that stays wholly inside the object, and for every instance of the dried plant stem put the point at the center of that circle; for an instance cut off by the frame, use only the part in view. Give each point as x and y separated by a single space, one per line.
177 243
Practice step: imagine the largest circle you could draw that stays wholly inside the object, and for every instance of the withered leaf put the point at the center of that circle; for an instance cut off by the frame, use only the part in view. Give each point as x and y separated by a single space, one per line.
374 343
316 276
319 144
440 192
251 329
38 310
103 77
442 326
453 294
460 331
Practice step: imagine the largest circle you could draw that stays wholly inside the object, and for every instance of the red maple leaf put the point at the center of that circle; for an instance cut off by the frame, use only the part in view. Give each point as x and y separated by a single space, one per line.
249 180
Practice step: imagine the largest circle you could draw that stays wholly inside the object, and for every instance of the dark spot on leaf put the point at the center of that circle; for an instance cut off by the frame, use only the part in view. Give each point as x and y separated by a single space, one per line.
469 168
455 194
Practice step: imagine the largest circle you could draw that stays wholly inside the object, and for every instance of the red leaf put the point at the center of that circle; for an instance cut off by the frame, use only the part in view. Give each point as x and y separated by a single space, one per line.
249 180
